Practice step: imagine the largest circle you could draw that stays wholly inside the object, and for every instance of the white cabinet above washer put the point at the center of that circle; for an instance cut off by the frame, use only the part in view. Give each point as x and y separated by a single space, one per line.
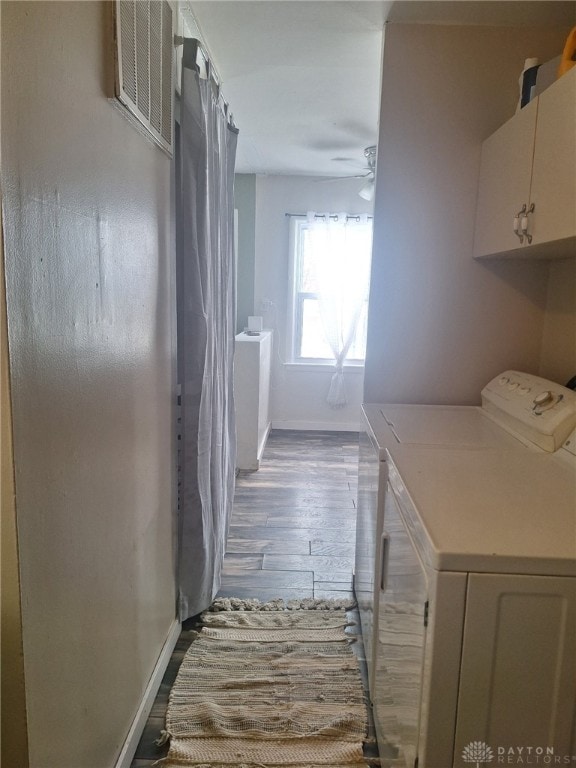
527 189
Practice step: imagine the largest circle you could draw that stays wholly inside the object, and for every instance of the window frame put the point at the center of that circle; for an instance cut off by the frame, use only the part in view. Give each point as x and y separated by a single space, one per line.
296 299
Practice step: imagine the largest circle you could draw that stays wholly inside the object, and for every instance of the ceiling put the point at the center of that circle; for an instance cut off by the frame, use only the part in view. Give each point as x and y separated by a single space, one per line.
302 77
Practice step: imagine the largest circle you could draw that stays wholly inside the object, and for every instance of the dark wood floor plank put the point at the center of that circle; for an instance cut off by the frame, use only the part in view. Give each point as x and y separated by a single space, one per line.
321 480
295 497
234 563
343 585
250 516
277 579
327 521
333 548
287 472
344 513
147 747
323 568
276 533
269 546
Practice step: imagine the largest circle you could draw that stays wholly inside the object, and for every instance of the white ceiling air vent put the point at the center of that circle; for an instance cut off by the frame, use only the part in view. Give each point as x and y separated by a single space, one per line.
144 71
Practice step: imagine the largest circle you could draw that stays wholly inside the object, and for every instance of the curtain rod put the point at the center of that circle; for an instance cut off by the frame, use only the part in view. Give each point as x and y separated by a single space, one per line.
211 73
355 216
179 40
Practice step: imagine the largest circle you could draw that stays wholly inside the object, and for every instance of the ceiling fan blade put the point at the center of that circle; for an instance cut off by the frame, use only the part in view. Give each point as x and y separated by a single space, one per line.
339 178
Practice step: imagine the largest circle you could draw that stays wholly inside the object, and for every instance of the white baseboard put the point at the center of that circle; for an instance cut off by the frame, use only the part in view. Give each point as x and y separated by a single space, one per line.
321 426
134 734
263 441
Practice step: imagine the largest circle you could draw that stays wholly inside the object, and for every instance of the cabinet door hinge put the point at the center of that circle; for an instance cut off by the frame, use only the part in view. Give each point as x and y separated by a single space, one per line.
425 617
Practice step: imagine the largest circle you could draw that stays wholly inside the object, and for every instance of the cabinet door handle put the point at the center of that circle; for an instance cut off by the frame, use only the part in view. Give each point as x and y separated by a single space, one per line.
524 224
517 223
384 563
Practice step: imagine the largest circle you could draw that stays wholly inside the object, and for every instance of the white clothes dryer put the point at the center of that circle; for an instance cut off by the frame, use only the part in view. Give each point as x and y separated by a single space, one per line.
466 575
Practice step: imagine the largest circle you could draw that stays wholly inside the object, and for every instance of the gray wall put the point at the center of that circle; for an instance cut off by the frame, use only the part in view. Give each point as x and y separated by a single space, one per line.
441 324
245 203
89 268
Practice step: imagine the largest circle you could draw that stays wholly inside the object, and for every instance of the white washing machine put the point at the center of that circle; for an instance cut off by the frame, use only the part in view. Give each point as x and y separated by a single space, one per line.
466 576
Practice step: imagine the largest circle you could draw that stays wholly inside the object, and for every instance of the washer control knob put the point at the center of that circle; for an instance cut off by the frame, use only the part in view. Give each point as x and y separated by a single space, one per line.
524 390
543 398
503 380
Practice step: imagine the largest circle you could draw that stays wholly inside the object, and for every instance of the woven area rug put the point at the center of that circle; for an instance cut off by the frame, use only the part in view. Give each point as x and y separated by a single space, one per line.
265 688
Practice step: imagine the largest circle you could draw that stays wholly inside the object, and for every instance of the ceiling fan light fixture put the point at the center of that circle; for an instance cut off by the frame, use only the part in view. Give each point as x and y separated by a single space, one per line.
367 191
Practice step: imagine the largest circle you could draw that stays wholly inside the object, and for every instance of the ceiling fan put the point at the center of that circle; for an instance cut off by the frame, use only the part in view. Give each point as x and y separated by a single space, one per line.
367 190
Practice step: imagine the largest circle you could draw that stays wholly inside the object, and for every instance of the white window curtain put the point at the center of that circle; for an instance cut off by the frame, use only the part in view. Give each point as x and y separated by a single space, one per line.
206 322
343 247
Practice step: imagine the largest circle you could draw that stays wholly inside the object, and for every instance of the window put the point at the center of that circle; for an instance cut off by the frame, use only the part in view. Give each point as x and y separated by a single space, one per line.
329 288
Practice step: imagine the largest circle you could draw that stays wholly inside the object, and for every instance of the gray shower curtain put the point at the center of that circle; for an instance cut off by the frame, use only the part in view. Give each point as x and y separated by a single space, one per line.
206 326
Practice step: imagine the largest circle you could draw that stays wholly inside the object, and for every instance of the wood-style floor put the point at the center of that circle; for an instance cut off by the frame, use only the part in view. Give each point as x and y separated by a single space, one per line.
294 520
292 535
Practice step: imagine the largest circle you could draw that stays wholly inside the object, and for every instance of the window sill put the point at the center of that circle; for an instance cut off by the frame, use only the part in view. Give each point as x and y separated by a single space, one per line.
324 367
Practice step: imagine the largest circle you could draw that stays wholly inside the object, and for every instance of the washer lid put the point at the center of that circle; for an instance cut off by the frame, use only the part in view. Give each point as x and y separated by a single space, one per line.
445 426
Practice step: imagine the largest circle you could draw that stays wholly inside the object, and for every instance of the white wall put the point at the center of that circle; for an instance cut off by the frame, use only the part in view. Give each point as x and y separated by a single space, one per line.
14 746
558 357
245 204
442 324
298 396
89 294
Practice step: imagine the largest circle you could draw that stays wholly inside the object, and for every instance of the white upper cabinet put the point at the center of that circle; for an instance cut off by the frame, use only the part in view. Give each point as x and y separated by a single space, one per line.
553 190
505 175
527 190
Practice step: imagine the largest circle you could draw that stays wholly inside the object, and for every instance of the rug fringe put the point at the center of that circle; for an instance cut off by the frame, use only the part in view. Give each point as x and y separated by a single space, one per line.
279 604
163 739
172 762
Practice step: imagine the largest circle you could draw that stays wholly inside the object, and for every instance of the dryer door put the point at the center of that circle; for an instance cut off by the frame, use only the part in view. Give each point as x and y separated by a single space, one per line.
402 606
372 478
